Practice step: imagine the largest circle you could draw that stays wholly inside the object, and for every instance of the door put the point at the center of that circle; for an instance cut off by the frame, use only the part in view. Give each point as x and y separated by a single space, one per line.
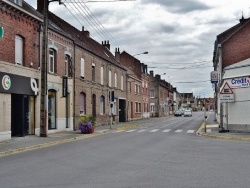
94 105
51 109
122 107
20 115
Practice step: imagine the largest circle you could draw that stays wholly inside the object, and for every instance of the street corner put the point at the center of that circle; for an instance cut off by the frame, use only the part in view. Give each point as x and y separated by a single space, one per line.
212 131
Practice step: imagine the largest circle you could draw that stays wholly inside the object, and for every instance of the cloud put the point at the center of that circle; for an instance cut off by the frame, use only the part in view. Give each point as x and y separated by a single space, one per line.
180 6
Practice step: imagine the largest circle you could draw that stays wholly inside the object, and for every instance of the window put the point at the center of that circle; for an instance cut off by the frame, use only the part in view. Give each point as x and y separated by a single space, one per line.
102 105
82 103
93 72
18 50
51 61
110 78
115 80
122 81
101 75
135 88
152 93
152 107
129 86
67 64
82 68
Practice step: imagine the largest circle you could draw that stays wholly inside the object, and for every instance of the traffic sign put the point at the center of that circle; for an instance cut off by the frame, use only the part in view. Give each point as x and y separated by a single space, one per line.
226 89
226 94
1 32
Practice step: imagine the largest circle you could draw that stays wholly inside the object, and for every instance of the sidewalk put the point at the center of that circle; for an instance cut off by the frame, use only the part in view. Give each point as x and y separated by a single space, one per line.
212 131
31 142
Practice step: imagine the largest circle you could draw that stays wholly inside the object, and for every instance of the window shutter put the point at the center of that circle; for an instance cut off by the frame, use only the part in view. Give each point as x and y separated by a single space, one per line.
82 68
101 75
109 78
19 50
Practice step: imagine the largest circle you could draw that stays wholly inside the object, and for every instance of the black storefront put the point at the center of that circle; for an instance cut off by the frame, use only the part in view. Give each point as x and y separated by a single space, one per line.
23 91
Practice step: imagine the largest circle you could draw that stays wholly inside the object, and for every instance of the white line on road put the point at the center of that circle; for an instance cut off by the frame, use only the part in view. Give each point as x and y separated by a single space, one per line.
179 130
154 130
142 130
132 130
166 130
190 131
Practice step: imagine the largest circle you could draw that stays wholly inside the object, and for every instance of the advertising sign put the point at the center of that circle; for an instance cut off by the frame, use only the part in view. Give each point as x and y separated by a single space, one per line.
11 83
214 77
239 82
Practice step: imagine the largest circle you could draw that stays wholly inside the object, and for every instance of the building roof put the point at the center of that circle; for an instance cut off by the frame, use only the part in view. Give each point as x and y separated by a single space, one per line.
82 39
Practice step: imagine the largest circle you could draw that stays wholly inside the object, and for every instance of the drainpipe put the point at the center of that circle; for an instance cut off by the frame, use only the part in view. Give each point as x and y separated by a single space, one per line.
74 87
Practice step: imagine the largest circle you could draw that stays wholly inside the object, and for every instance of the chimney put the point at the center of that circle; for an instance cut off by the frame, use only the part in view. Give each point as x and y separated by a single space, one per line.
40 6
243 20
151 73
117 55
85 32
106 44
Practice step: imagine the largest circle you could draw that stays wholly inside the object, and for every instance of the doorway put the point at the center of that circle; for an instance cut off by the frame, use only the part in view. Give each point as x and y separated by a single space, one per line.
94 105
122 107
51 109
22 115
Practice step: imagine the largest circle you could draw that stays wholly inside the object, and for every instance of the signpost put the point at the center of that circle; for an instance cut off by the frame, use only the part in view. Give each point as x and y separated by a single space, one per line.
226 94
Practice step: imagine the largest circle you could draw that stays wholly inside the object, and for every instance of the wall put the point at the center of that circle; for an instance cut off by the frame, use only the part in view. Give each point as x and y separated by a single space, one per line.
236 48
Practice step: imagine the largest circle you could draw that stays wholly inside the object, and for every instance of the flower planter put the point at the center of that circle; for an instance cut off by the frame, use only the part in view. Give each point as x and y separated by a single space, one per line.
86 128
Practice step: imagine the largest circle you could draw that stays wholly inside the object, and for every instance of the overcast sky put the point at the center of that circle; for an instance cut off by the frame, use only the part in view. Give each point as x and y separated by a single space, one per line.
178 35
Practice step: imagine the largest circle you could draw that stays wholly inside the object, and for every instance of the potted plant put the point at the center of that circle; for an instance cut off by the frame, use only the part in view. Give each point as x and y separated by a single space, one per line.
87 124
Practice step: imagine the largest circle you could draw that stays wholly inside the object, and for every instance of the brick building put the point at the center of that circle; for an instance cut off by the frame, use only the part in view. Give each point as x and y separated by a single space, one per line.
231 60
96 74
161 96
19 69
137 86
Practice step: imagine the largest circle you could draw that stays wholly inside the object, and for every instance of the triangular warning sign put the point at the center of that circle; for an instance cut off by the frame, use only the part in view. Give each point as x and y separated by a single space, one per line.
226 89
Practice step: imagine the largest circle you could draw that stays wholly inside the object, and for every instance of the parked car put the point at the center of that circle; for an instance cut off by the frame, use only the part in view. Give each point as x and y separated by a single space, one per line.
177 113
187 113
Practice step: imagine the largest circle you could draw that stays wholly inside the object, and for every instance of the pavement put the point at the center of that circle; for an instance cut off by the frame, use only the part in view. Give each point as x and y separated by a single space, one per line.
32 142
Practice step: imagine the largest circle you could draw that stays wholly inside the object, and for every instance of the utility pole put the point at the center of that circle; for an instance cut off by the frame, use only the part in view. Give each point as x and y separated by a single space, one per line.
44 71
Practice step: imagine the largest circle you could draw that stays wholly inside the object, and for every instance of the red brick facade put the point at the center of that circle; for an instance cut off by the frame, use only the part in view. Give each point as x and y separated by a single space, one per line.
24 26
236 48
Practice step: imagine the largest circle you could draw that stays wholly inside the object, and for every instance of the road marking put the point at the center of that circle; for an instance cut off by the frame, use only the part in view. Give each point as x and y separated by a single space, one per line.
142 130
179 130
190 131
209 130
166 130
154 130
118 131
132 130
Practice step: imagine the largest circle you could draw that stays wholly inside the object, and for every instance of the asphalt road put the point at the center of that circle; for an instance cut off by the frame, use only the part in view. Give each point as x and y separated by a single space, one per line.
163 155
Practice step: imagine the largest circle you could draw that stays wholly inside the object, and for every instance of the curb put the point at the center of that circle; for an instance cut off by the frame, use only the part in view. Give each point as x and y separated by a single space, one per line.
48 144
200 133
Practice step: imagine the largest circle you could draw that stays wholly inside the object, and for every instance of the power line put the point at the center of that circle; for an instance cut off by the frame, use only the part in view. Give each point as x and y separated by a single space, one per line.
81 8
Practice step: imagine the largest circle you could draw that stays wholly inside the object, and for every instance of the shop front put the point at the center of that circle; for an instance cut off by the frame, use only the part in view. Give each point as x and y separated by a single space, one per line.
17 104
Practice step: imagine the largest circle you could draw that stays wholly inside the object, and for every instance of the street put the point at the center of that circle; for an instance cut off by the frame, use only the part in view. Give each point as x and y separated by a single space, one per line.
167 154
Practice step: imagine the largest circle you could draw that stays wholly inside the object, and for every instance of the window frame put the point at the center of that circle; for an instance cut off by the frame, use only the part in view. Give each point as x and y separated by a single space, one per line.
19 50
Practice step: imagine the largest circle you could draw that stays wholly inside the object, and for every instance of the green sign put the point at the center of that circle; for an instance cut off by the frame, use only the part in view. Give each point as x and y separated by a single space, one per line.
1 32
